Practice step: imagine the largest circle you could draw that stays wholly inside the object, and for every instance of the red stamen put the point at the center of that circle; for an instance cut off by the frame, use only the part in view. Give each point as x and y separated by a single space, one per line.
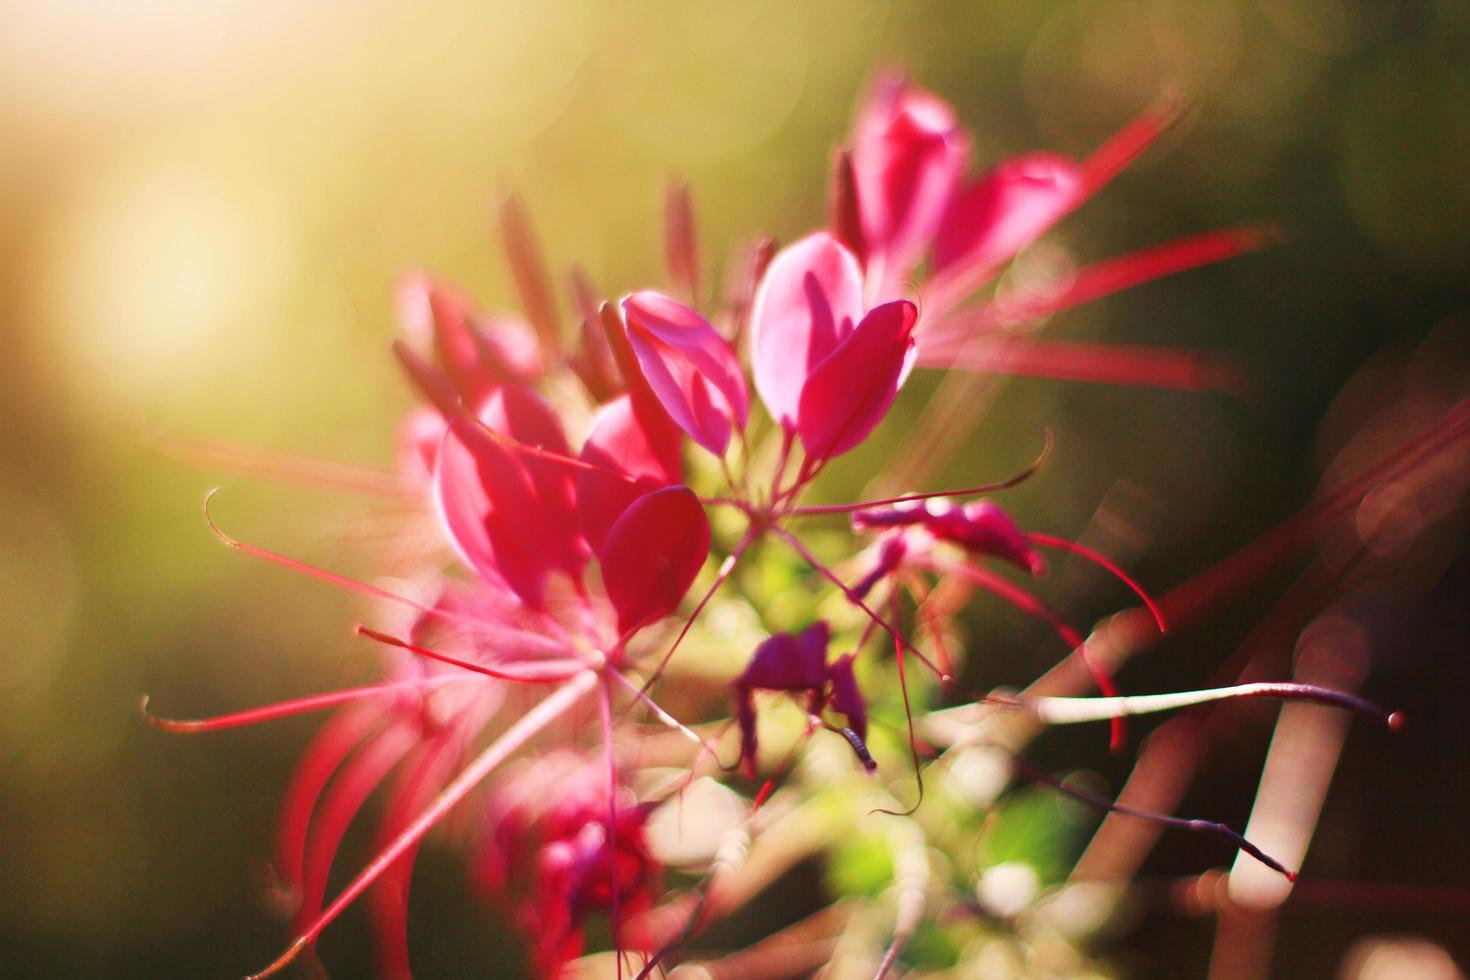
1047 541
1187 603
604 710
1124 147
1029 604
331 578
337 738
524 672
785 765
325 474
908 715
1134 365
727 567
1006 484
547 711
362 774
283 709
920 594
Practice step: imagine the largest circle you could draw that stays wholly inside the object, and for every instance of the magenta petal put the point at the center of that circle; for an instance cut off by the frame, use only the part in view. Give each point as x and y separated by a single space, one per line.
523 415
786 662
850 392
692 369
487 502
652 554
1006 209
983 528
810 298
847 697
644 447
908 154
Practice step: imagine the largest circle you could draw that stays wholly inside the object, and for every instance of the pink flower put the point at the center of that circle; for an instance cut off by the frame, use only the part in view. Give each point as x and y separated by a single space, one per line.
570 854
824 368
798 664
908 154
691 368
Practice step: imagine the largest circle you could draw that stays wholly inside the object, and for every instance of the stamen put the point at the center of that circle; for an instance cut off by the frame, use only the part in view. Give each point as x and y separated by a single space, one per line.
769 786
859 748
1124 147
604 710
331 578
543 714
1006 484
526 672
1047 541
1029 604
727 567
1067 711
1134 365
1210 827
668 719
284 709
325 474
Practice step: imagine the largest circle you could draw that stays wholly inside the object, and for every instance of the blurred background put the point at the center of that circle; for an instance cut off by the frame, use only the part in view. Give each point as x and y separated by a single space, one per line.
204 207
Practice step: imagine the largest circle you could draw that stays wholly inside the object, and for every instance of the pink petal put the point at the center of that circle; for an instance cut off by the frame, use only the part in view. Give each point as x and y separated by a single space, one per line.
787 662
908 154
469 465
983 528
692 369
809 300
652 554
644 447
847 697
1005 210
510 518
850 392
524 416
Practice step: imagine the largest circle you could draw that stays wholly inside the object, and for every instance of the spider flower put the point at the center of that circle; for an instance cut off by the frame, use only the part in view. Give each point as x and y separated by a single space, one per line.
577 534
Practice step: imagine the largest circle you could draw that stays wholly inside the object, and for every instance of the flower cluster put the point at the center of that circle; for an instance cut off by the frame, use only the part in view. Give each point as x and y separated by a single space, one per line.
587 491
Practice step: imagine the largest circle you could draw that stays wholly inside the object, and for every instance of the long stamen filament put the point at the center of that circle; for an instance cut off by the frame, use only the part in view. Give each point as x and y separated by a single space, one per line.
1068 711
543 714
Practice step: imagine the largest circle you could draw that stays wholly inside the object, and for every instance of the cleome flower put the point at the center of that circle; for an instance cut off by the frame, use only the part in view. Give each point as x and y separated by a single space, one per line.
572 478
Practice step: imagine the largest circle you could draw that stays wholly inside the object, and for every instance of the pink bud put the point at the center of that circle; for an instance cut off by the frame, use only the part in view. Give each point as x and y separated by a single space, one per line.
908 154
809 301
851 390
692 369
476 351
